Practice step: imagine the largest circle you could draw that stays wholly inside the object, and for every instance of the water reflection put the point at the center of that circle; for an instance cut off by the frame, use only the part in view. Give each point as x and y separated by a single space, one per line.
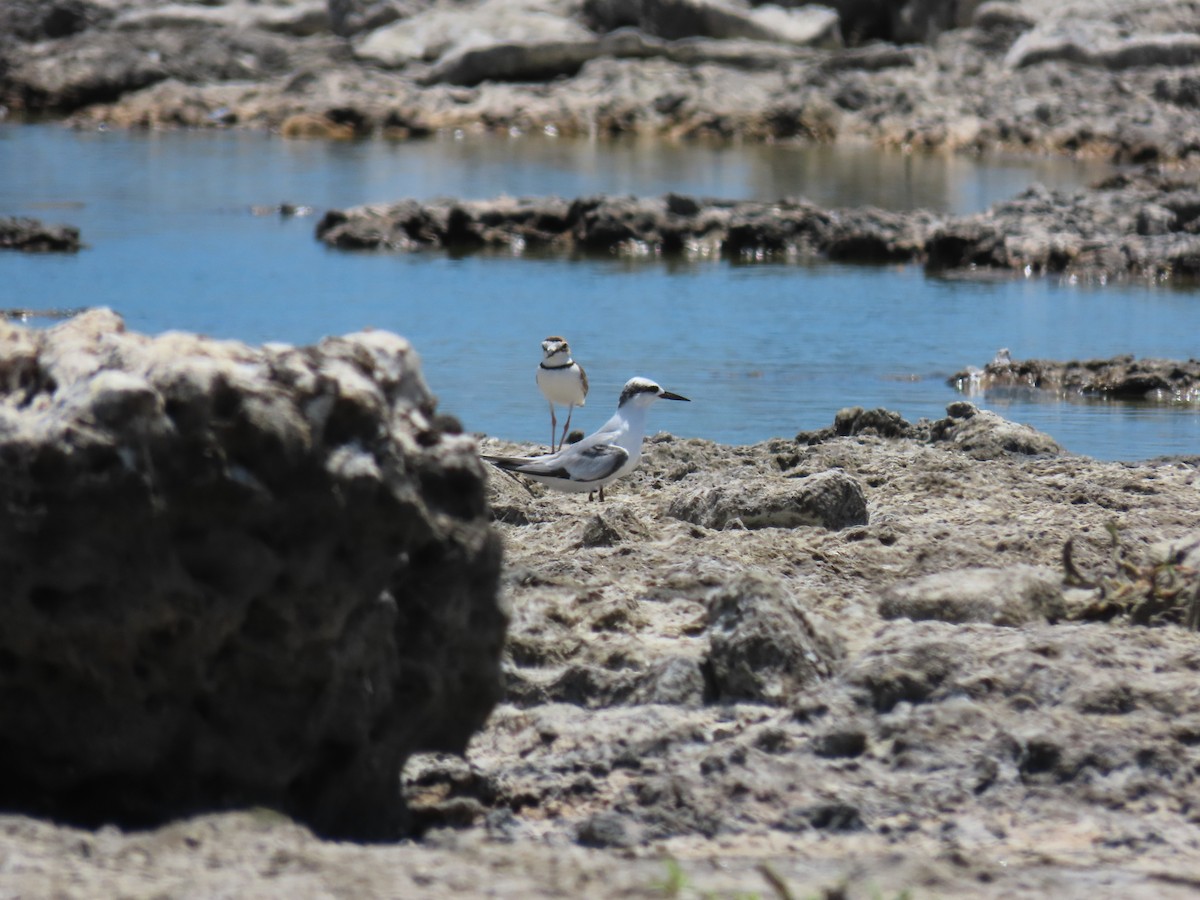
862 175
46 165
842 176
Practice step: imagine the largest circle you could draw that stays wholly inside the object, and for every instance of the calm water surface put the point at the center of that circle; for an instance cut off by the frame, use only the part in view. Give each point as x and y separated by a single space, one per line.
763 350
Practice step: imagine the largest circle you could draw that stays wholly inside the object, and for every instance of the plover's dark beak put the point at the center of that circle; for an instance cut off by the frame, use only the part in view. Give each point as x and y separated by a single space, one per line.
667 395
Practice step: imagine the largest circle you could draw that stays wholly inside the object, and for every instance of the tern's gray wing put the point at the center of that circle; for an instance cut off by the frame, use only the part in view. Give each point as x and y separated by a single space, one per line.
593 463
575 462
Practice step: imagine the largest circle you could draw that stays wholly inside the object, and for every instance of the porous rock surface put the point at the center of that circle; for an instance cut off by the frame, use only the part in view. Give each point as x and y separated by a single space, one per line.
751 705
233 577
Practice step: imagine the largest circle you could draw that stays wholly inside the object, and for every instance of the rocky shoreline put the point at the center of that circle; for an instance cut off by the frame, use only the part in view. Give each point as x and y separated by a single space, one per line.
977 77
724 679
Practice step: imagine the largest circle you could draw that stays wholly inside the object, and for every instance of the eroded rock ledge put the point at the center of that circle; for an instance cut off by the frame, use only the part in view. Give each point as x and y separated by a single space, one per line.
233 577
1135 225
669 225
1119 378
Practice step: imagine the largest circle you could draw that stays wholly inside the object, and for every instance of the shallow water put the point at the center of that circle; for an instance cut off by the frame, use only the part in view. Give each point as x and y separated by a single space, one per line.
763 350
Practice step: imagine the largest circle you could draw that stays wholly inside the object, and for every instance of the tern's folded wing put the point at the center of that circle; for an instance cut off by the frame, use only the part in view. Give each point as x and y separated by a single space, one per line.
594 463
575 463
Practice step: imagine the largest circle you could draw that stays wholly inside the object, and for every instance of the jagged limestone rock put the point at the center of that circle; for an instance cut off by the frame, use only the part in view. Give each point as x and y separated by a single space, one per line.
233 576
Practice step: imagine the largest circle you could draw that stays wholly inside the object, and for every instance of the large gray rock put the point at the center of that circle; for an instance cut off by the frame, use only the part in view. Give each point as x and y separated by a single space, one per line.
1103 45
832 500
515 61
762 645
83 69
233 577
1016 595
984 435
299 17
810 25
441 31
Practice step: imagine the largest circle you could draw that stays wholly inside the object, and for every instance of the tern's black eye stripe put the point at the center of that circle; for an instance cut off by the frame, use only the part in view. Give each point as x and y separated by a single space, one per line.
633 390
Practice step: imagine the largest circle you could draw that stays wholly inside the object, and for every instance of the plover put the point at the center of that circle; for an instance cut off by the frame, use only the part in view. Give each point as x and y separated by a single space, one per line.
600 458
562 381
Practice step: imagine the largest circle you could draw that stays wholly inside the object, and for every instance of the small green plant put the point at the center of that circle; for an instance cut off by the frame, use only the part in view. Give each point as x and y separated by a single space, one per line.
675 882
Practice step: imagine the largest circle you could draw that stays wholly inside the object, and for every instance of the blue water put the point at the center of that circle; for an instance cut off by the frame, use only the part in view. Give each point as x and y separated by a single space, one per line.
763 350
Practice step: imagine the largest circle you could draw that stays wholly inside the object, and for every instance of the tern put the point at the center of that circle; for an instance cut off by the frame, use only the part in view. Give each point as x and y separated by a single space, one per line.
562 381
600 458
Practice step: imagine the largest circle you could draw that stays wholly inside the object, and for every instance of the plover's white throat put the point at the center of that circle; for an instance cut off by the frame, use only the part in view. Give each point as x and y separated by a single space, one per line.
599 458
562 381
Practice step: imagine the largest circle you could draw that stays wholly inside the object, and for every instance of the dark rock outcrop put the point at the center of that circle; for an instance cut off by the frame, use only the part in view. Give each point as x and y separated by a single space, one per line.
36 237
40 20
233 577
854 420
900 22
669 225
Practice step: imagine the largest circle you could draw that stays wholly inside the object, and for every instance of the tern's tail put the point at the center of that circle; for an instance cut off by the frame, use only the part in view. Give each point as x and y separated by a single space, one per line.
515 463
508 463
546 466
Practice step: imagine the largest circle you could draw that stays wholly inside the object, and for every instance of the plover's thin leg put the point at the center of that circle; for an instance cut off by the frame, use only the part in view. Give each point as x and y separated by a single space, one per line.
553 428
566 428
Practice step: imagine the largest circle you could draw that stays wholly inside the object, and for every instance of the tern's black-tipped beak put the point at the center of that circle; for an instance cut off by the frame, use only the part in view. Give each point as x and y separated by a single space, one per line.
667 395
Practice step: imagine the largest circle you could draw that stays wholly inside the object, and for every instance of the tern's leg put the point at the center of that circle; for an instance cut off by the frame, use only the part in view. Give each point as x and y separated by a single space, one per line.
553 427
601 493
591 496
